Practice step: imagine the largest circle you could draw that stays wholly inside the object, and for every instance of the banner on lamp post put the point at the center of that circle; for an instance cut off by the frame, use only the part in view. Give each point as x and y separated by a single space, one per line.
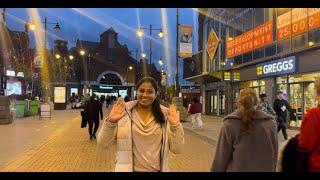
163 79
185 41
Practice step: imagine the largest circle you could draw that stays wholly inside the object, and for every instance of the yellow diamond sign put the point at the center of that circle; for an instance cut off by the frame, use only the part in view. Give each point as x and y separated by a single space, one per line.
212 44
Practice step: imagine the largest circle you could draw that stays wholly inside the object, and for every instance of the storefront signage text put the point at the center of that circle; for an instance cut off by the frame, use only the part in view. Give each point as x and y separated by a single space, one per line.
250 40
277 67
10 73
106 87
297 21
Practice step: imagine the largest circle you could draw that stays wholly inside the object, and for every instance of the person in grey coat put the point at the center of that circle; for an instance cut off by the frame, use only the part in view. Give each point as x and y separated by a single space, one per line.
248 139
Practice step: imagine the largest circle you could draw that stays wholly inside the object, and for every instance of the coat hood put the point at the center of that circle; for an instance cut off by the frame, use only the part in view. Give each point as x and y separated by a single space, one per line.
258 115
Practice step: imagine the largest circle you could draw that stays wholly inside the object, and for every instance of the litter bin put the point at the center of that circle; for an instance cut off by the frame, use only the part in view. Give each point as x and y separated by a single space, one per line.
34 108
5 116
20 108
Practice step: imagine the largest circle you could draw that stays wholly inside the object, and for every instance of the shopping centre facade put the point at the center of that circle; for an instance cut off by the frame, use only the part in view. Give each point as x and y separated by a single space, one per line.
267 49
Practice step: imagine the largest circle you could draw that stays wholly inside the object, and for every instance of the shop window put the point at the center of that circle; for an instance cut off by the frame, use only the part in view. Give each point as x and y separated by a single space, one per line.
284 46
270 50
314 37
299 41
258 53
255 83
281 80
247 57
258 16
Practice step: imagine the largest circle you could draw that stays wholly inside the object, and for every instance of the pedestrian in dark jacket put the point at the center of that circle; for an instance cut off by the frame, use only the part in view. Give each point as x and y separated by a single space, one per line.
281 107
108 101
93 108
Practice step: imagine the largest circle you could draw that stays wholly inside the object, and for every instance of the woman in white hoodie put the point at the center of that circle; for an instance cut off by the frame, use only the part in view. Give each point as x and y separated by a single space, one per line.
144 131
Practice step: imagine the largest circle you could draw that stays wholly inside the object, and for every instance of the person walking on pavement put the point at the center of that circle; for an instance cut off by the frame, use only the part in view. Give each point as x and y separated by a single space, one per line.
93 108
108 101
72 100
195 110
309 137
248 139
281 107
145 131
102 98
265 106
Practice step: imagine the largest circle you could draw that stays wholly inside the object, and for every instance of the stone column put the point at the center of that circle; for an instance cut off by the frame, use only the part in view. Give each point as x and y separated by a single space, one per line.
178 102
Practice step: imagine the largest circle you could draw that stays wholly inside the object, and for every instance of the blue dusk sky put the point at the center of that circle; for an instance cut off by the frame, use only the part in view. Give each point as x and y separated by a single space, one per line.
87 24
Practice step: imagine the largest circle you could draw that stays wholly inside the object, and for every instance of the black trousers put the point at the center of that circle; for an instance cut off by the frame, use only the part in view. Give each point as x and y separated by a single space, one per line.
282 126
96 126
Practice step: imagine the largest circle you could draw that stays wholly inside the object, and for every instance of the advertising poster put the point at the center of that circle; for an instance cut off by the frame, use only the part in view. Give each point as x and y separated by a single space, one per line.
185 41
13 87
60 94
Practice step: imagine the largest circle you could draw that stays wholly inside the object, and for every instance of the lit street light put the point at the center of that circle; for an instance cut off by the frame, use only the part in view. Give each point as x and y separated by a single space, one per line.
143 55
160 62
160 34
140 33
58 56
71 57
128 69
82 52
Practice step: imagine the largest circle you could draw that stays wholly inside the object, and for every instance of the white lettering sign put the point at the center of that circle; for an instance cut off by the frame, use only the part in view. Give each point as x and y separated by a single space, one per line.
278 67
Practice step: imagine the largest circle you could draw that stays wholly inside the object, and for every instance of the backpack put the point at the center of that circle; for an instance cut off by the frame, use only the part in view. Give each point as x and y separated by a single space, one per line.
294 160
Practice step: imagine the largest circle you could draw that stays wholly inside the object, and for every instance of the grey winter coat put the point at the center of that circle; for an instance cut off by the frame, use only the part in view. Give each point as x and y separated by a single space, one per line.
256 152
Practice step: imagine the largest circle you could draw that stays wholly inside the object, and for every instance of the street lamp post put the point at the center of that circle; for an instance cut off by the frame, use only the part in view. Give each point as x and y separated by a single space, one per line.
128 69
33 27
82 53
177 56
140 34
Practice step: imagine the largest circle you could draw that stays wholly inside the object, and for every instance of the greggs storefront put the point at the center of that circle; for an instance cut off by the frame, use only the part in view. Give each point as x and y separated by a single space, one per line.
293 75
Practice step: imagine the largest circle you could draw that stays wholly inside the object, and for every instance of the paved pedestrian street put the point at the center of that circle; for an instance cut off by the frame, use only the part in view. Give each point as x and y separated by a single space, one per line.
68 149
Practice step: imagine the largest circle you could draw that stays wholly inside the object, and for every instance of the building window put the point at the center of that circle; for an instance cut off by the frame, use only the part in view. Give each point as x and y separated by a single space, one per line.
299 41
238 60
258 16
314 37
247 57
270 50
284 46
247 22
258 53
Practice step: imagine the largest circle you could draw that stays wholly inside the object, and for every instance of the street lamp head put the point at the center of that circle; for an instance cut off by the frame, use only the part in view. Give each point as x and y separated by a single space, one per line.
57 56
82 52
160 62
143 55
32 26
71 57
160 34
57 27
130 67
140 32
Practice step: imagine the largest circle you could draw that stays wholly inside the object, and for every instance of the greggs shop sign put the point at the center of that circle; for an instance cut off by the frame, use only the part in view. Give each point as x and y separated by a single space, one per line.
250 40
277 67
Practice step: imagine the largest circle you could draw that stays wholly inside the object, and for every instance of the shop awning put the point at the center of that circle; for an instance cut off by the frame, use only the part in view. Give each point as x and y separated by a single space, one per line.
206 78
